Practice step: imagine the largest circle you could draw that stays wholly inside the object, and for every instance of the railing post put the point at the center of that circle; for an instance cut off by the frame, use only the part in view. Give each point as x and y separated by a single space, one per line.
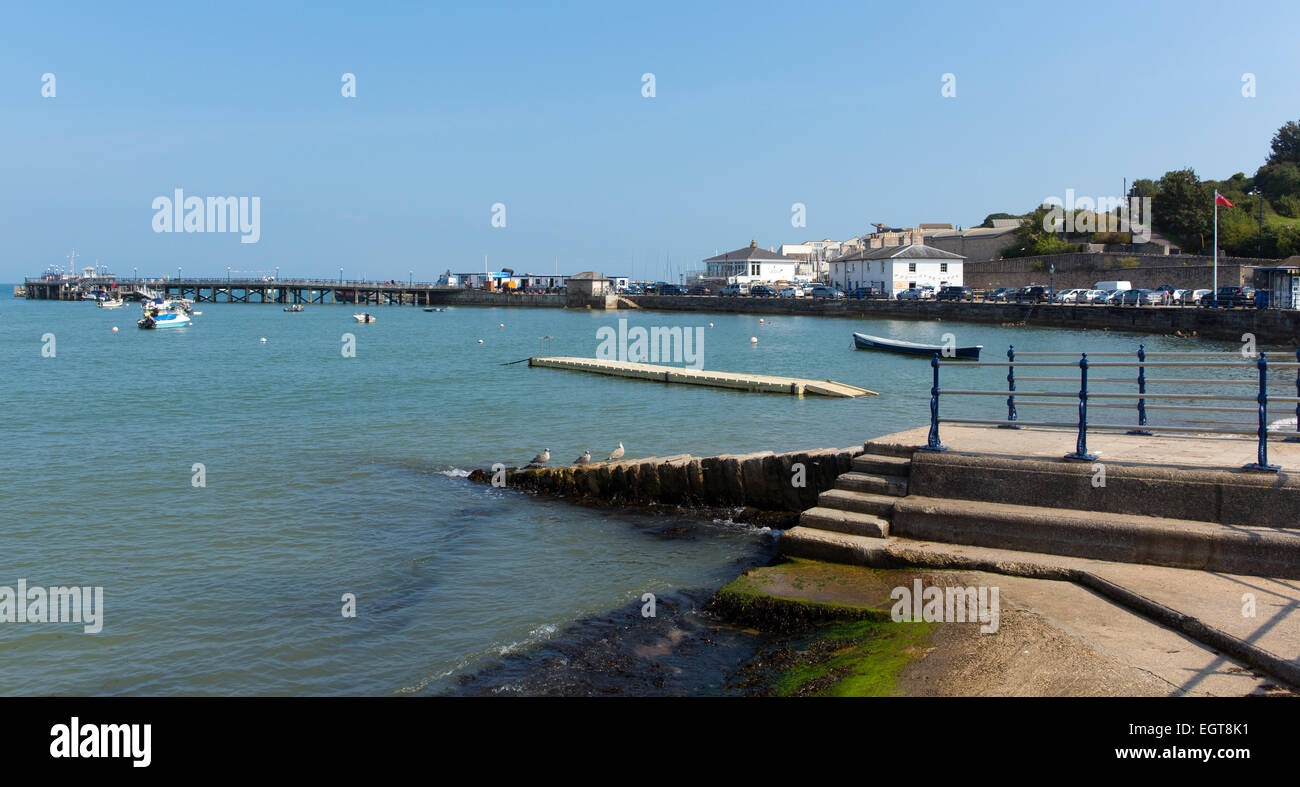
1295 438
933 444
1081 446
1012 415
1262 463
1142 388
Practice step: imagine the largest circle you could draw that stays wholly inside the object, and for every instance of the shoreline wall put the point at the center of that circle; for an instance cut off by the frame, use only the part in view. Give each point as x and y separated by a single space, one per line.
763 481
1270 326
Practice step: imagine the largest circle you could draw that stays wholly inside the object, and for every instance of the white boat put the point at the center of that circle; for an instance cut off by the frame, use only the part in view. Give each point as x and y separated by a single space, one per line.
364 317
157 320
111 303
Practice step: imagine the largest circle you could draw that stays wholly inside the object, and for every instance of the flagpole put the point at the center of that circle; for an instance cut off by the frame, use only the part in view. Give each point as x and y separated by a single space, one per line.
1214 297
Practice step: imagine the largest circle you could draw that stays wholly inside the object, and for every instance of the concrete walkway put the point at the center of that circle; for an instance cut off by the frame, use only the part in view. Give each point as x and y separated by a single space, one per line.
1202 451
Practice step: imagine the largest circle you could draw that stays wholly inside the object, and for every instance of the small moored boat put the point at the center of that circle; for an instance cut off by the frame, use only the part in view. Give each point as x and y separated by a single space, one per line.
864 341
176 319
367 317
297 307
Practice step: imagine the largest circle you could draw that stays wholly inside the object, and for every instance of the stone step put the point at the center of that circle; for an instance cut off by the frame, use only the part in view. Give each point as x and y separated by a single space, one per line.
849 522
1125 538
883 448
882 464
875 484
858 502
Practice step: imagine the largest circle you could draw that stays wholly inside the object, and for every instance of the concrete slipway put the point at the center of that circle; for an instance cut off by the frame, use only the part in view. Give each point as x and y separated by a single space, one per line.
1174 535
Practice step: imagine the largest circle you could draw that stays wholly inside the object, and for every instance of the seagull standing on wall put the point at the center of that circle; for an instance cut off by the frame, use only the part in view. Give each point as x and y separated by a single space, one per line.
585 459
542 458
617 454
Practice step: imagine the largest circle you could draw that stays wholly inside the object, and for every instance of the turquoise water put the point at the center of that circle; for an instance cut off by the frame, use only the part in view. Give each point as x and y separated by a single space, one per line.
328 475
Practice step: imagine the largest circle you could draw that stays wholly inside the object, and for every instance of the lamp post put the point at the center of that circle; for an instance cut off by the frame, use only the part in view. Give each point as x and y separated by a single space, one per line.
410 282
1259 243
1051 281
340 274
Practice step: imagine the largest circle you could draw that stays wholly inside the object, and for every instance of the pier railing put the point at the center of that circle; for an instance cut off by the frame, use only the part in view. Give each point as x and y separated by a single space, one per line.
1144 401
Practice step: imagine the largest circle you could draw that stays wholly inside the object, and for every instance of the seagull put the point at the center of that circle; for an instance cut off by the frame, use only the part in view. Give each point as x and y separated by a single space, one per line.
542 458
617 454
585 459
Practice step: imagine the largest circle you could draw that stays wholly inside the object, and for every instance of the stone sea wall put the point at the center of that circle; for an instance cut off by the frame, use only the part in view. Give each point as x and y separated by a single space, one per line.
764 481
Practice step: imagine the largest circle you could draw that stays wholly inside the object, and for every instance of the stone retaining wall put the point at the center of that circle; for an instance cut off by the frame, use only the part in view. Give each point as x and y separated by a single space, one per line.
1270 326
763 480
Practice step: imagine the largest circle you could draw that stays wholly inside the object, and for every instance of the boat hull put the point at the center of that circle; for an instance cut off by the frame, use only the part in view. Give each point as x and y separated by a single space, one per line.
863 341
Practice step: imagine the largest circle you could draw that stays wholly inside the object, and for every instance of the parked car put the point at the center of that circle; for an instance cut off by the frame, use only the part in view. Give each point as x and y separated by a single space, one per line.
910 294
927 292
1032 294
791 292
1140 297
762 291
699 290
671 289
1001 294
1070 296
736 289
1232 297
825 291
866 292
952 293
1194 297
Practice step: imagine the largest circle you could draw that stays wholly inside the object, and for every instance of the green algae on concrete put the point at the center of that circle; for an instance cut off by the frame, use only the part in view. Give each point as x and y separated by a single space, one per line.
840 639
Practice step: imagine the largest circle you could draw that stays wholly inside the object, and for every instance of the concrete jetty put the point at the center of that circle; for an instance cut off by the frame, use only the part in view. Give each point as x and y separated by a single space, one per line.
740 381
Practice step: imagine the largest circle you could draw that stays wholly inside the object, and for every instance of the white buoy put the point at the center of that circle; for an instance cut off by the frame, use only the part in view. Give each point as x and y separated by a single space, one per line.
502 325
760 320
710 325
753 340
480 341
114 329
263 340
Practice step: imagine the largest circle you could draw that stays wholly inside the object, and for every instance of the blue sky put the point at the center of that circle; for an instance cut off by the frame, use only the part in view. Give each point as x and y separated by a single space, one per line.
758 106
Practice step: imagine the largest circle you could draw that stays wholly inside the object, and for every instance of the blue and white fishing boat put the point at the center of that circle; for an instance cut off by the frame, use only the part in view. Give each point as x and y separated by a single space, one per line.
162 313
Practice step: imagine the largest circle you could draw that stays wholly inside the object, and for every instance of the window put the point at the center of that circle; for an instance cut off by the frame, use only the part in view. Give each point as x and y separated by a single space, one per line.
943 267
911 267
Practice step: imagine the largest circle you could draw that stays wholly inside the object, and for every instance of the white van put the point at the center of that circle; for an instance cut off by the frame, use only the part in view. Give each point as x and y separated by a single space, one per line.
736 289
1113 285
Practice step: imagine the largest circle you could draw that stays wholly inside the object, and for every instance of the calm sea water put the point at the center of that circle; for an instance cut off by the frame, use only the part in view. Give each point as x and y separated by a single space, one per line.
328 475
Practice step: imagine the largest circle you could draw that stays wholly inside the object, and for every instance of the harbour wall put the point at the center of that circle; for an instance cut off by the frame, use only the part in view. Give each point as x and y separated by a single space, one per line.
1270 326
773 487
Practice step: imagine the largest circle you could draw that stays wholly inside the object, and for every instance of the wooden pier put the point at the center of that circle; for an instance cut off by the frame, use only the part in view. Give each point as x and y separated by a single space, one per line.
675 374
280 291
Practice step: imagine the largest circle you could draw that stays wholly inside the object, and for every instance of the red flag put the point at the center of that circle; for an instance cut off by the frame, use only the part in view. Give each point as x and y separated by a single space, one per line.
1219 199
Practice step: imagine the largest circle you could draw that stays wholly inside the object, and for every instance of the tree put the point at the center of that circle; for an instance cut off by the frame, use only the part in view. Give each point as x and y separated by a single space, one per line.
1033 238
1279 179
1286 144
1183 208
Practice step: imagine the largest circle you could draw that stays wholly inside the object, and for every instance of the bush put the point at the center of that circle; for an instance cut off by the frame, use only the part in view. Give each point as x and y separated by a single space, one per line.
1288 205
1127 262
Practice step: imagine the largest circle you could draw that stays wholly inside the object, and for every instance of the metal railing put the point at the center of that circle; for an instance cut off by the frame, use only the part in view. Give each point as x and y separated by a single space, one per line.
1083 399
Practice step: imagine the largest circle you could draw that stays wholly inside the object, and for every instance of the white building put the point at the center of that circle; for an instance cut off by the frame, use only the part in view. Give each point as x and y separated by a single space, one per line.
896 268
751 265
